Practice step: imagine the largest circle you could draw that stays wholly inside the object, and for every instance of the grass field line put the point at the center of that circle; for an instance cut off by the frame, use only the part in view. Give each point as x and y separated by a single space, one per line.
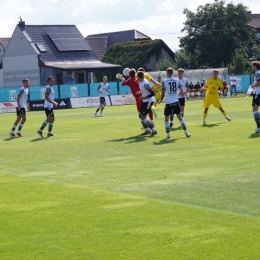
141 197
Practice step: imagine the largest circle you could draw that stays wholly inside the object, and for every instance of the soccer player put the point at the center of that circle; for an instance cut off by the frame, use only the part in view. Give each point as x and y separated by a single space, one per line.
103 88
147 94
185 88
48 107
133 84
256 94
170 89
212 87
150 79
157 90
20 109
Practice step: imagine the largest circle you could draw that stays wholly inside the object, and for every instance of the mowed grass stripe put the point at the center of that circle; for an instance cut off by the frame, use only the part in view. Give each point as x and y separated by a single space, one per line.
34 178
52 221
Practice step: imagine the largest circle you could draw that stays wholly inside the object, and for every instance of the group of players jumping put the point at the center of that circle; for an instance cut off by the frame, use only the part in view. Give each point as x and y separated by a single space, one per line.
173 89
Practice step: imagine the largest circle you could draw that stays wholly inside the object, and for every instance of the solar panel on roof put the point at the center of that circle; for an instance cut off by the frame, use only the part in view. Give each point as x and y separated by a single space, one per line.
68 39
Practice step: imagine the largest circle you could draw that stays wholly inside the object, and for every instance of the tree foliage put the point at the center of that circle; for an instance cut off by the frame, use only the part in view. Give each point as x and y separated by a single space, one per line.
214 34
183 59
164 64
239 64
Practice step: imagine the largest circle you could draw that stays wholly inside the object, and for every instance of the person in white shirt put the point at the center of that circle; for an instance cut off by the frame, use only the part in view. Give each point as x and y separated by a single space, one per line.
185 88
103 88
20 109
171 89
48 107
233 81
256 94
147 97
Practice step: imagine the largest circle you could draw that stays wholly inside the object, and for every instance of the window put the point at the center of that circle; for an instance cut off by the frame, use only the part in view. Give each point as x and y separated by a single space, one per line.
81 77
58 78
41 47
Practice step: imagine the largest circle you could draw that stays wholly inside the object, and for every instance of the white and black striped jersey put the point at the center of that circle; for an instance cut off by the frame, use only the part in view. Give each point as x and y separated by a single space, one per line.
103 88
23 93
49 90
171 87
184 84
145 87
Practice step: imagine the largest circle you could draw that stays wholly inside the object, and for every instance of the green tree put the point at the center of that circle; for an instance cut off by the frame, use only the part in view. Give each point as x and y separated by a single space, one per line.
164 64
239 64
183 59
215 32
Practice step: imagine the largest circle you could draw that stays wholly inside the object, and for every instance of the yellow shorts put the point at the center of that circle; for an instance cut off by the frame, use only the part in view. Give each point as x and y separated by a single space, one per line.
158 95
210 101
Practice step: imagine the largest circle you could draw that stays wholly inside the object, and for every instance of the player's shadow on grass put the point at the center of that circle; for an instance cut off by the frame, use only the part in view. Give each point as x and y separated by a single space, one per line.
164 141
252 136
129 140
37 139
10 139
211 125
177 128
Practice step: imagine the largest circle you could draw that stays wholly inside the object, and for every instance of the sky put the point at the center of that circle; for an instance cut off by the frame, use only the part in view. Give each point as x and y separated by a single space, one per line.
160 19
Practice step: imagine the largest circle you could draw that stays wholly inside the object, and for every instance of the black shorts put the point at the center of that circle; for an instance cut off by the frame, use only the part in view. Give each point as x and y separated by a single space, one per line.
21 112
182 101
145 107
49 112
102 100
256 100
173 108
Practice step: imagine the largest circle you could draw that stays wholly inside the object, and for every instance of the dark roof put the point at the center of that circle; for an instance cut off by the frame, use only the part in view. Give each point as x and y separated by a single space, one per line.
98 44
4 42
255 20
55 58
96 41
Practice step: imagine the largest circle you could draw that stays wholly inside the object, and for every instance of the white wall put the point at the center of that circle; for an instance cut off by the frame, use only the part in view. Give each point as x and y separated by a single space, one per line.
46 72
20 61
151 65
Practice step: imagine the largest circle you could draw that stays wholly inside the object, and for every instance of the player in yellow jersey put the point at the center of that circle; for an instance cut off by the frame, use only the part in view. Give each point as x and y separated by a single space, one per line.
158 90
150 79
212 87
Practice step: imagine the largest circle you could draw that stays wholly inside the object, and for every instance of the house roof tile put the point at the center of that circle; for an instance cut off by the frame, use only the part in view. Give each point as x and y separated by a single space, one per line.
96 41
4 42
61 58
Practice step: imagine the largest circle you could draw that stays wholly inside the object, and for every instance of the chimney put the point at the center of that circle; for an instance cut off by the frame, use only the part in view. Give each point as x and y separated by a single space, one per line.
21 24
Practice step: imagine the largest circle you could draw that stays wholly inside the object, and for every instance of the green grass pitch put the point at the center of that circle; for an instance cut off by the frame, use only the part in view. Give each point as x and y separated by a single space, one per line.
98 190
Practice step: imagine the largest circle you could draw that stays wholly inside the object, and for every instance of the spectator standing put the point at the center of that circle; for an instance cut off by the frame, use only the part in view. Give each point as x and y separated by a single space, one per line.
233 81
